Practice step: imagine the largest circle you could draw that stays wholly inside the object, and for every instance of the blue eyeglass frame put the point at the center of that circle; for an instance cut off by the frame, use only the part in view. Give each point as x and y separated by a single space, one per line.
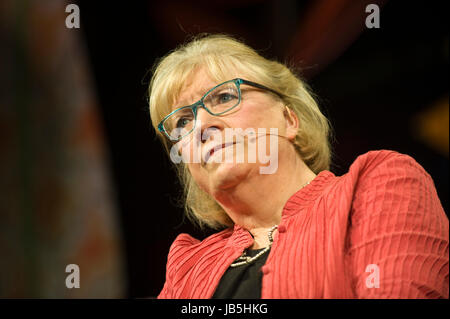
199 103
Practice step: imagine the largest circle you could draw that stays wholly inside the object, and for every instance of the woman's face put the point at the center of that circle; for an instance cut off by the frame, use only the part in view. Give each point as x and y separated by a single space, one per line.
258 110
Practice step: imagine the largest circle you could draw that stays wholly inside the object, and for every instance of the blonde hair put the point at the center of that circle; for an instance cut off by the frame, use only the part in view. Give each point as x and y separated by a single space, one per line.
223 56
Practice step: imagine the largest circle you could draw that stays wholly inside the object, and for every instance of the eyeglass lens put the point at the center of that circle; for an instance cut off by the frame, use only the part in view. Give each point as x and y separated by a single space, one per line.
218 101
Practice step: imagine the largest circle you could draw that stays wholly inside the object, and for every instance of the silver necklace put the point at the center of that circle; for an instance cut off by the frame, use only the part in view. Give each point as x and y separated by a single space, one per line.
246 260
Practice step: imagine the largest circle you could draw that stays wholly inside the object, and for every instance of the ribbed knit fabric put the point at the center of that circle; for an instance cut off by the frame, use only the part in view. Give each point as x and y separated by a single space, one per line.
384 212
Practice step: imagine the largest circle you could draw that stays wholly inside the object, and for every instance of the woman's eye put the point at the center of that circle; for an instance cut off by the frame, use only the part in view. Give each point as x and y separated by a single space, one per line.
182 122
226 97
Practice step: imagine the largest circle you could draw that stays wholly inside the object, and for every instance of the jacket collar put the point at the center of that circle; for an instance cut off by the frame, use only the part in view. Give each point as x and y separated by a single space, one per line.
308 194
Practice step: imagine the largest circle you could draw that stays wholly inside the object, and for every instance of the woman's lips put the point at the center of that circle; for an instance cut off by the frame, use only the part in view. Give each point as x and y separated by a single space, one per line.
214 149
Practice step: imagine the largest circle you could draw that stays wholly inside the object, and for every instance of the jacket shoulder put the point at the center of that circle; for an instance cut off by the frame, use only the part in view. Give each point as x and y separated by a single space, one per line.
186 241
385 162
187 248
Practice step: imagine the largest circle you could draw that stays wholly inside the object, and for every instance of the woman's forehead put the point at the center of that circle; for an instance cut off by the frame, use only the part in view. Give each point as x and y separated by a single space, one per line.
197 84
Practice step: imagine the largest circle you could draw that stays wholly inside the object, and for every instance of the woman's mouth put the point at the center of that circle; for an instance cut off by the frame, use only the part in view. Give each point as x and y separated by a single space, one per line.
214 149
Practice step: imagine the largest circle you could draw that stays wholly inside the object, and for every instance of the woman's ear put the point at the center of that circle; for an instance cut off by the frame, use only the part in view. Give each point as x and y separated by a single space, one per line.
292 123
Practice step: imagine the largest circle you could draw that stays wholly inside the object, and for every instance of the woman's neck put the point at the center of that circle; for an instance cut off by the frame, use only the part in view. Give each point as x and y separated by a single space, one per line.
257 202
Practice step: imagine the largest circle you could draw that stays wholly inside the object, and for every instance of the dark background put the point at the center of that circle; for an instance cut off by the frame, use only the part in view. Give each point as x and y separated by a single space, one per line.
373 84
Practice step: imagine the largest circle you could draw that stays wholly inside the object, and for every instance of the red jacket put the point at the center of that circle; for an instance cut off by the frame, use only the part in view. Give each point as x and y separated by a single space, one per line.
378 231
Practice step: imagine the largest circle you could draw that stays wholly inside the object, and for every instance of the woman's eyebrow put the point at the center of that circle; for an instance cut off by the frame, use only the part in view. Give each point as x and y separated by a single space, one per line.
184 102
250 88
198 94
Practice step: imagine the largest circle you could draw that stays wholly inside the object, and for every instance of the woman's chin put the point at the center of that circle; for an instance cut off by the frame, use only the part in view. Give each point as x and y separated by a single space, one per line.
228 175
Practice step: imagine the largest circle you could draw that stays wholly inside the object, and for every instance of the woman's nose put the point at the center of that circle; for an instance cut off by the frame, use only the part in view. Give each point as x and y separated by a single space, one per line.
208 124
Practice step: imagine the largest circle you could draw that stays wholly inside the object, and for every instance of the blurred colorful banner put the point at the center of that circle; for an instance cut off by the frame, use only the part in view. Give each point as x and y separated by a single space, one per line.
57 202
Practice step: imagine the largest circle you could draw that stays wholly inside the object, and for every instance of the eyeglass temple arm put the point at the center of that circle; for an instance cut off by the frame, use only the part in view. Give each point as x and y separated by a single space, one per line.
260 86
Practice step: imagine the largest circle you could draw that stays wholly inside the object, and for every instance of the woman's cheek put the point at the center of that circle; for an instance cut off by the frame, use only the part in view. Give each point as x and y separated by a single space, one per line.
186 152
199 175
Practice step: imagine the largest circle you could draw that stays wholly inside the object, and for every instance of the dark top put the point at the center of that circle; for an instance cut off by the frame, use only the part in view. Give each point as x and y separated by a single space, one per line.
242 282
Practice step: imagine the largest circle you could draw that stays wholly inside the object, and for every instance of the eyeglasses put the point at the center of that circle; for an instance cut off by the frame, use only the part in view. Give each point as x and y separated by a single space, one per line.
220 99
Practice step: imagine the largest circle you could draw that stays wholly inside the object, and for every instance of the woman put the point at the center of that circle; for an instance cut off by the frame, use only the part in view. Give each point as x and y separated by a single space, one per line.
296 230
